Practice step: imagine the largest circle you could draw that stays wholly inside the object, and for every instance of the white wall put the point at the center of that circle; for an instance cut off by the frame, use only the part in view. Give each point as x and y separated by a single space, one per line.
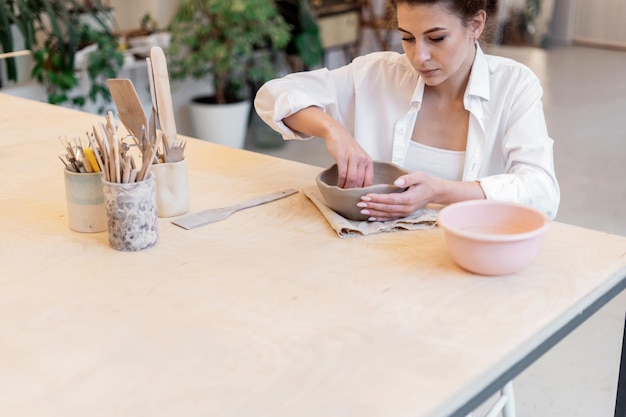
601 22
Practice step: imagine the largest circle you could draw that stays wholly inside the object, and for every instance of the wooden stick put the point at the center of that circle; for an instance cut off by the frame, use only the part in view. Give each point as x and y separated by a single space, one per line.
133 175
103 151
86 162
116 150
110 153
147 164
127 169
114 144
14 54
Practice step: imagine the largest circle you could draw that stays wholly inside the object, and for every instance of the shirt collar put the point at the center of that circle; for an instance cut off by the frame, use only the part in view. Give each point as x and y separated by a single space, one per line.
478 83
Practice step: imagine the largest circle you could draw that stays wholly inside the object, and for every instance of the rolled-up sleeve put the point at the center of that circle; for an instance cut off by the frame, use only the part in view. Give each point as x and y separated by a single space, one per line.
280 98
285 104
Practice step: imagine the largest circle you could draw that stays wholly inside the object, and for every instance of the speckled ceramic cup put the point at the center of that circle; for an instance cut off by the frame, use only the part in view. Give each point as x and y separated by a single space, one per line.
131 214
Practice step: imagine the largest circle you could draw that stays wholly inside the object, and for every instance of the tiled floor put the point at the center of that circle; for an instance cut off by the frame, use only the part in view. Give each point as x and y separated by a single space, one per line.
585 107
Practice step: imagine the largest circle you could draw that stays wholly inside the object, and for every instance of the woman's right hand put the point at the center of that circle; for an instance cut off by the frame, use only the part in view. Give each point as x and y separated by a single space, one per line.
355 166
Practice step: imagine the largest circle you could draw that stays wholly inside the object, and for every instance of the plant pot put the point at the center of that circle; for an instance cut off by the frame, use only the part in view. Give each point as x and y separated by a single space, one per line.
225 124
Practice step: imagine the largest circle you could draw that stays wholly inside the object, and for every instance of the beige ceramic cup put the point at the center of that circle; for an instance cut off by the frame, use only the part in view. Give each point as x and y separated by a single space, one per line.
172 188
132 214
85 202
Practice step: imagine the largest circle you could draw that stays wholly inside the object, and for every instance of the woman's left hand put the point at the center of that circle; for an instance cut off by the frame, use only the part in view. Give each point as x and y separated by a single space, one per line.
421 190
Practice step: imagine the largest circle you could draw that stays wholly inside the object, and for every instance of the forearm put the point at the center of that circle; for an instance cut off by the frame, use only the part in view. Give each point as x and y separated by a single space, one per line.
448 192
312 121
354 165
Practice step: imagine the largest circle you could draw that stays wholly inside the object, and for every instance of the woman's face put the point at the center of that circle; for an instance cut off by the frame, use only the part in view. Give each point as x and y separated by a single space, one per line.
436 41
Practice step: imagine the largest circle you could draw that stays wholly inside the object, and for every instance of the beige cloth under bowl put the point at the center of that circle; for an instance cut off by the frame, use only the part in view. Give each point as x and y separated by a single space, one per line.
422 219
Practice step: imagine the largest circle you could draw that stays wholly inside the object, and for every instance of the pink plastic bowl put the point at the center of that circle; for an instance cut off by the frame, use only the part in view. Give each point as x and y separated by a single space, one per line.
492 237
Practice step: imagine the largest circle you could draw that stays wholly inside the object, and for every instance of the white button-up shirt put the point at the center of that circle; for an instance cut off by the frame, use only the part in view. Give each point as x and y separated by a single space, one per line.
378 96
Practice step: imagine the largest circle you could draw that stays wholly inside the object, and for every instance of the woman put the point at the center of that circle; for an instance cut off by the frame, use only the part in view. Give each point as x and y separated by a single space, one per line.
465 124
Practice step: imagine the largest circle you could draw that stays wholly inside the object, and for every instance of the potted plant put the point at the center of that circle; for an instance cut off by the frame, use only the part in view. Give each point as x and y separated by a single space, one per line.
7 40
56 31
518 26
305 50
148 34
231 43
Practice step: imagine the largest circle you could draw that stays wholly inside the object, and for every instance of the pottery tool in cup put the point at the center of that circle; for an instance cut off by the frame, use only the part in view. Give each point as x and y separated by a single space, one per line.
81 159
129 108
162 94
113 156
201 218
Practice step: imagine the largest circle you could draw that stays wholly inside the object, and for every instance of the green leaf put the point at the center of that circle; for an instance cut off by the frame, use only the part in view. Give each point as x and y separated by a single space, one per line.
217 40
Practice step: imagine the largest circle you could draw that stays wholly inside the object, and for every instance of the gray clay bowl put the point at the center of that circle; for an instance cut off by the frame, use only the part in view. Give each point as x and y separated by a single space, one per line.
344 200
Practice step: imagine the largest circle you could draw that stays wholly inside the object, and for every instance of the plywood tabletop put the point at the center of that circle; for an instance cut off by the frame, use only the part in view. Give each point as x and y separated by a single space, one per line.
267 313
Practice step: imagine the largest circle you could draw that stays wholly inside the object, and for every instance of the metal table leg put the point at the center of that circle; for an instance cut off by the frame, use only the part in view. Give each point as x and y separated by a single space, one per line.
620 402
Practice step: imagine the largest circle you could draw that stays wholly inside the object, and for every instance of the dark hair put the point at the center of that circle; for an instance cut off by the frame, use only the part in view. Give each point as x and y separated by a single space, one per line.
464 9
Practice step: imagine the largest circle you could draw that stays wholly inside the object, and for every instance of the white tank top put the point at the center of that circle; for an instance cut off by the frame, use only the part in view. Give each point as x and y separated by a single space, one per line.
436 162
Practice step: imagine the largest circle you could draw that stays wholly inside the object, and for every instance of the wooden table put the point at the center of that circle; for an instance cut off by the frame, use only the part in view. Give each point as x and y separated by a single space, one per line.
267 313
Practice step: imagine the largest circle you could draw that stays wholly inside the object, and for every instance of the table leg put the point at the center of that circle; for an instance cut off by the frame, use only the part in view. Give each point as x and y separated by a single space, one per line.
620 402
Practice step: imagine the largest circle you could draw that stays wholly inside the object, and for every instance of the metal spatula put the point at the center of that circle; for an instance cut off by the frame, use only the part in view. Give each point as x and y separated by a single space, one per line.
193 220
